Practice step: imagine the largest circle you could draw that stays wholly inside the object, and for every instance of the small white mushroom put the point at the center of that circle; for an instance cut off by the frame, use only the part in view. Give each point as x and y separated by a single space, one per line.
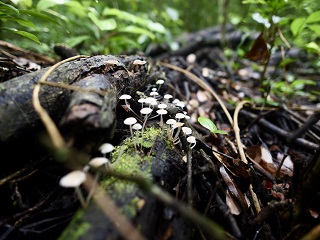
136 127
171 121
126 97
139 62
162 106
98 162
192 141
73 180
177 125
186 130
179 116
106 148
180 104
159 82
154 94
167 97
145 111
131 121
142 101
161 112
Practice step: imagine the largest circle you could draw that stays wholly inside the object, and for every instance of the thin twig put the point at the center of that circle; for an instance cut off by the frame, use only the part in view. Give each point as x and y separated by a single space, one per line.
241 150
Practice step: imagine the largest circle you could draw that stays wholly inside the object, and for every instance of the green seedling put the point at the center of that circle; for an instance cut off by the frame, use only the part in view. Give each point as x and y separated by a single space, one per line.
208 124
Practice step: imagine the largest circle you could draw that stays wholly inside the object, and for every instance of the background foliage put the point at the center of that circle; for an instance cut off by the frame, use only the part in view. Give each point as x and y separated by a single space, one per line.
123 26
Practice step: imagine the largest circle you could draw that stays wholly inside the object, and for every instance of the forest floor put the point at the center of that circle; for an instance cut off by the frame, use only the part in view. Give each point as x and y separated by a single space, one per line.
258 181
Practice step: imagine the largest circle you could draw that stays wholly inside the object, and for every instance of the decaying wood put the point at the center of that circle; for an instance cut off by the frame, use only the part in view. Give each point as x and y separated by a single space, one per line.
18 115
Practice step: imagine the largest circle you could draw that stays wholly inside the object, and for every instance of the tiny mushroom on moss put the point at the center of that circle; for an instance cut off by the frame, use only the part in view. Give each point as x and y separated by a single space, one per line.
145 111
106 148
73 180
98 162
161 112
131 121
136 127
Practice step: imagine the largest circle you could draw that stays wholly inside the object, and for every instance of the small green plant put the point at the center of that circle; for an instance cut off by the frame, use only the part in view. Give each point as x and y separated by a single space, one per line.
208 124
291 88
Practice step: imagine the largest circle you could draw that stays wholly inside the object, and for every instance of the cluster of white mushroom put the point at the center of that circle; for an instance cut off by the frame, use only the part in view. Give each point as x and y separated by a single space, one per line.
174 126
75 178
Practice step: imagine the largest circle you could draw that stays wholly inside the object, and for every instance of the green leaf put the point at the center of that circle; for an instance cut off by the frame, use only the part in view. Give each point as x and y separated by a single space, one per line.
103 25
6 8
254 2
153 26
156 27
24 34
77 8
314 17
297 26
124 16
207 123
137 30
315 28
313 46
40 16
220 132
23 22
45 4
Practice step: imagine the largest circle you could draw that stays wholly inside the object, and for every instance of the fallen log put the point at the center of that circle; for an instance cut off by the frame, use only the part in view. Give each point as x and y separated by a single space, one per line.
18 115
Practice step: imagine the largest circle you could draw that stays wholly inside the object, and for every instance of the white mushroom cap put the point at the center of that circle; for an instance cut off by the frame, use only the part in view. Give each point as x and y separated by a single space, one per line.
180 104
177 124
137 126
162 111
150 100
130 121
160 81
175 101
125 96
162 106
146 111
141 100
139 62
154 94
167 96
106 148
112 62
186 130
191 139
98 161
73 179
154 89
171 121
179 116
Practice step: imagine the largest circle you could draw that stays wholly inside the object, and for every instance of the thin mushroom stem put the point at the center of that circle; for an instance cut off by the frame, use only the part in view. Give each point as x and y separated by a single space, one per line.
81 197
